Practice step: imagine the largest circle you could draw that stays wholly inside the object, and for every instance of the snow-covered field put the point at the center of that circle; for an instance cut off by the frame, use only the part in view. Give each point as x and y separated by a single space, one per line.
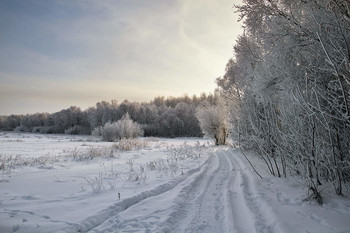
60 183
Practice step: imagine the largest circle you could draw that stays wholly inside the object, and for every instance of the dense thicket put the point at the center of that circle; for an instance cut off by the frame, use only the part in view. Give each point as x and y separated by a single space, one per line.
164 117
288 87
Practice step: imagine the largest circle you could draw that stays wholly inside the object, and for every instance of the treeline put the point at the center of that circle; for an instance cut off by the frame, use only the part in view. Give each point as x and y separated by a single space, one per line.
162 117
288 88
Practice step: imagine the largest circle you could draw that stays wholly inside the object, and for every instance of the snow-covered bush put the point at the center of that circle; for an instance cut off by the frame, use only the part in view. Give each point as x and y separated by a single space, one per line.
186 151
97 131
89 153
124 128
213 122
103 180
9 162
139 175
166 167
96 183
130 144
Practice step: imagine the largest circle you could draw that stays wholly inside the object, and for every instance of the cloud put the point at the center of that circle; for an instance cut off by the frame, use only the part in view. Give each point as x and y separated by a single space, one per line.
82 52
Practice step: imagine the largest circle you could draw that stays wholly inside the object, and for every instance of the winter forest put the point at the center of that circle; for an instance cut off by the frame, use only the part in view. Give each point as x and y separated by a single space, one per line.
284 98
162 117
285 95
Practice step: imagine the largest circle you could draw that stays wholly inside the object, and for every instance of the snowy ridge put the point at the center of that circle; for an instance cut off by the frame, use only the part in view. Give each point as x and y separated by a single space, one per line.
96 220
220 197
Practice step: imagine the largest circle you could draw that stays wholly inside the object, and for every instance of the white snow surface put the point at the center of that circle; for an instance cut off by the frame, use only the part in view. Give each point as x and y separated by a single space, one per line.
174 185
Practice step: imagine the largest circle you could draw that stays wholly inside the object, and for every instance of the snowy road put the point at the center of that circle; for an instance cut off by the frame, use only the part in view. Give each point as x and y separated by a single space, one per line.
214 189
223 195
222 200
210 199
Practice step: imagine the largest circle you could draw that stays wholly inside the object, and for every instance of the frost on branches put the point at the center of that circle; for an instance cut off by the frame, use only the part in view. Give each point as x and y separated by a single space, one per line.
212 120
288 88
124 128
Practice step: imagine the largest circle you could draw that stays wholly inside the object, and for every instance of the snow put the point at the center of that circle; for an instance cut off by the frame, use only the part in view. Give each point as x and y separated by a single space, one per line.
175 185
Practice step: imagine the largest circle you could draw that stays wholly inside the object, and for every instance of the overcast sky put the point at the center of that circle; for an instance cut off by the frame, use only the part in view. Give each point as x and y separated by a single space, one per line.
59 53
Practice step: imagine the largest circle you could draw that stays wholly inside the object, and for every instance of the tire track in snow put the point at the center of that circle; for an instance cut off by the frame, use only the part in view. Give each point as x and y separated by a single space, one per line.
251 205
226 200
242 217
220 196
171 205
205 207
92 223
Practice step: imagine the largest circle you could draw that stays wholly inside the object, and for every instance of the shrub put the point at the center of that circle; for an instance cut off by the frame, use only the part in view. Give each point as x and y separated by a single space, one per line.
97 131
130 144
124 128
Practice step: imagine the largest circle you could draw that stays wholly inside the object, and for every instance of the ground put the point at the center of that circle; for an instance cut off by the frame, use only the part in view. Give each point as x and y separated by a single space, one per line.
72 184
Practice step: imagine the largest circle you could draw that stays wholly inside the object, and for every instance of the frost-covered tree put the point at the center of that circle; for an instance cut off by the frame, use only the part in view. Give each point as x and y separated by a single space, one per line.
213 122
288 88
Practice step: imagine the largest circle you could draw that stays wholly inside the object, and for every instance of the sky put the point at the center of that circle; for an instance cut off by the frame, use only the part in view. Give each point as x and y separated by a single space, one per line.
61 53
